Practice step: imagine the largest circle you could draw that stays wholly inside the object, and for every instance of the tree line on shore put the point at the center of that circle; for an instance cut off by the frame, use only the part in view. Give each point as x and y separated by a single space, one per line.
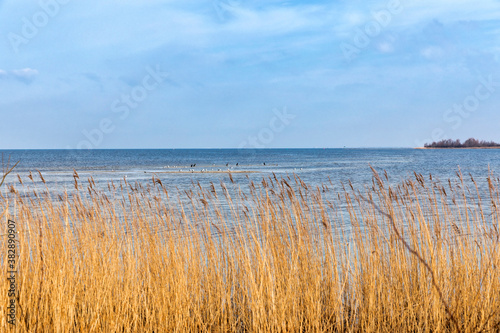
469 143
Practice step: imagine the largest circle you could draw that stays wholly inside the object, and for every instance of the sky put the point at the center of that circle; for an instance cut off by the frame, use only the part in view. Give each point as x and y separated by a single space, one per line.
247 74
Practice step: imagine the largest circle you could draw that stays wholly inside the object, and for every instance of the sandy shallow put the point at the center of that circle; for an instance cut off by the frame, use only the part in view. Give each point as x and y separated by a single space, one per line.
208 171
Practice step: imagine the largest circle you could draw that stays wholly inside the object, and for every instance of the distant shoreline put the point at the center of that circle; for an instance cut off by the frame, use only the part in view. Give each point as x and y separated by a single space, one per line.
457 148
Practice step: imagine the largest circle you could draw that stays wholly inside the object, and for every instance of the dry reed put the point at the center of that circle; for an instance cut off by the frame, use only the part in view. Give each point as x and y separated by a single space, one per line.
280 256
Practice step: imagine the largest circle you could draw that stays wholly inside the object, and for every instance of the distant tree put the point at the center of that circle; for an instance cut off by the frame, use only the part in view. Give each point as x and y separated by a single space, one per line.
469 143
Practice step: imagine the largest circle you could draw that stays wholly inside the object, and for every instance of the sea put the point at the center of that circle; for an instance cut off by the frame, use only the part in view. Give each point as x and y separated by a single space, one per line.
178 168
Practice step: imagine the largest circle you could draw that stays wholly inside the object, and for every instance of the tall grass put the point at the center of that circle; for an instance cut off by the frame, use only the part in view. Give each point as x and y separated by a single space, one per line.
279 256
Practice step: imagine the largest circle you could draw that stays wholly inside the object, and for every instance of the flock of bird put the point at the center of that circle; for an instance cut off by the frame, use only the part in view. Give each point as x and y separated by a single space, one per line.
193 165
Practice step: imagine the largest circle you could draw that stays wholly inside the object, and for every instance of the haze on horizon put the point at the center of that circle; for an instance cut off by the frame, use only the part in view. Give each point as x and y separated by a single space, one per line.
248 74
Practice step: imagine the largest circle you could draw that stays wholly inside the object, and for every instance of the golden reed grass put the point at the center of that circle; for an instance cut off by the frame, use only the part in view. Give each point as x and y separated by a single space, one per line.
279 256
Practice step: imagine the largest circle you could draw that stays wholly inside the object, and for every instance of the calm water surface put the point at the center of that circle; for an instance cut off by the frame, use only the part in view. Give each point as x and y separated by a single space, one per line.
314 166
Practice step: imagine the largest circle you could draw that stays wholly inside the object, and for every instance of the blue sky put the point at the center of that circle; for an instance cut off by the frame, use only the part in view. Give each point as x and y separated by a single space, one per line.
233 73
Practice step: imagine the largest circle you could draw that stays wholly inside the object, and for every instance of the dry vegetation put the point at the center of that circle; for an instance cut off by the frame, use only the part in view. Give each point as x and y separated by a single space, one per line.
279 256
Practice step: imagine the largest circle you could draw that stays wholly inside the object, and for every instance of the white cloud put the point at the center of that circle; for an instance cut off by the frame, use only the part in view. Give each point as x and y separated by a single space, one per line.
25 72
417 13
449 10
25 75
385 47
432 52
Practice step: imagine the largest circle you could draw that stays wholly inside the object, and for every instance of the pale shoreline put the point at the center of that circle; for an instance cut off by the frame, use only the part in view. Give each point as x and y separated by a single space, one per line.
457 148
93 172
210 171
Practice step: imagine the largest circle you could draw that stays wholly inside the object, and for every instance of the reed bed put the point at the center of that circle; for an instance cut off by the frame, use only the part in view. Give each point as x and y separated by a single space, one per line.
277 256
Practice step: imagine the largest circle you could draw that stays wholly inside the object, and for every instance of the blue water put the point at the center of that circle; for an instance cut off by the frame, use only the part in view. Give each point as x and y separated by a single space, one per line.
314 166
